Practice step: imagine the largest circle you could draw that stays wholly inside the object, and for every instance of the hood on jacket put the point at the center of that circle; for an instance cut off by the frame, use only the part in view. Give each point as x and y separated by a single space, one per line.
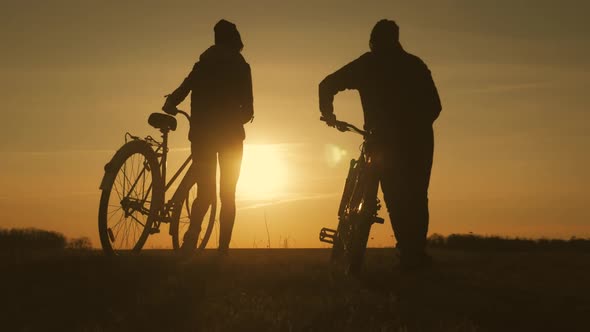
227 34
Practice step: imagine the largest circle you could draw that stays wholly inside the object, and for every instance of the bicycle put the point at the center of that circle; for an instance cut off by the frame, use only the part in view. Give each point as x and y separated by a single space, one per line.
132 204
358 207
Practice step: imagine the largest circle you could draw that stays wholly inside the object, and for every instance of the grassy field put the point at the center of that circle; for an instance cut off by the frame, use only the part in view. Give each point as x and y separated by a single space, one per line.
294 290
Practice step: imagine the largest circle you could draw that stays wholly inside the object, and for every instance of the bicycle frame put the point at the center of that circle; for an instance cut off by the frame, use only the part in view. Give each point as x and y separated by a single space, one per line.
364 185
358 207
142 198
164 212
361 186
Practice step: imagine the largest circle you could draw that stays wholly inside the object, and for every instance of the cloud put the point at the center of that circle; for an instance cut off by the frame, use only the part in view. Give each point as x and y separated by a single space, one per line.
59 152
50 195
507 87
290 198
253 146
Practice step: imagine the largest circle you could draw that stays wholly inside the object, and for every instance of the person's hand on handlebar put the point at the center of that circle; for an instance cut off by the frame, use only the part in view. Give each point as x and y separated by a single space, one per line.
329 119
169 108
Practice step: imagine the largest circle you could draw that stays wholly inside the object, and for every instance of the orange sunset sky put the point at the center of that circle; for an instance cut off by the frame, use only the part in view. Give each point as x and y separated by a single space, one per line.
512 142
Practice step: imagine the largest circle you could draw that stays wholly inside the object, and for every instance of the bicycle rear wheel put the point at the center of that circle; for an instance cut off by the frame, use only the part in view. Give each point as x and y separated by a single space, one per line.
181 221
132 195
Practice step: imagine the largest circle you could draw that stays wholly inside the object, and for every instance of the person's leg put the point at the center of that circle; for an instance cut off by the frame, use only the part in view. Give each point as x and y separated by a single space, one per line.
204 168
390 181
419 176
404 182
230 162
408 211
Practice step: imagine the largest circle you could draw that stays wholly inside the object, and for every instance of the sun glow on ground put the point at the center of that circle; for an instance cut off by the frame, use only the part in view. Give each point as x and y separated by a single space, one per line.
264 174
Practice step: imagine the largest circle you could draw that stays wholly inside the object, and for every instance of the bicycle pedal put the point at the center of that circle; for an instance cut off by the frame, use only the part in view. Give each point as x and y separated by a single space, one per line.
154 231
328 235
379 220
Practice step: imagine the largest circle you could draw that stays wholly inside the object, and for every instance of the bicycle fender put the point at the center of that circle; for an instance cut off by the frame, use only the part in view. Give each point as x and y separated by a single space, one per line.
109 176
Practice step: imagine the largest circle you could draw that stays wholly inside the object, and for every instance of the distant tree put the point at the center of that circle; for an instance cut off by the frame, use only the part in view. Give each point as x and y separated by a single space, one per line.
496 243
81 243
31 239
436 240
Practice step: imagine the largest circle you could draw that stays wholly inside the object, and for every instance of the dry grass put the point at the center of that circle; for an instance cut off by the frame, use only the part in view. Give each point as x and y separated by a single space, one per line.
294 290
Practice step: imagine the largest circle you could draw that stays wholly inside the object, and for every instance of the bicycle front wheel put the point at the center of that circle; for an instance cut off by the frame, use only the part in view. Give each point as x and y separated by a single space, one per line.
350 244
181 220
361 227
132 195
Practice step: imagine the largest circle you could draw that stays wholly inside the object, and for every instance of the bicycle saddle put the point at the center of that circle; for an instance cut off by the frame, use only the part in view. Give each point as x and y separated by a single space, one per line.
161 121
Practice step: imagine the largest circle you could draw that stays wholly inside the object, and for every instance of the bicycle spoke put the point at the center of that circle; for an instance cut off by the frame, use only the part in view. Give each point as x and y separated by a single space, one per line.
127 229
133 186
117 226
125 237
134 228
143 181
140 165
112 213
137 220
126 176
116 187
124 169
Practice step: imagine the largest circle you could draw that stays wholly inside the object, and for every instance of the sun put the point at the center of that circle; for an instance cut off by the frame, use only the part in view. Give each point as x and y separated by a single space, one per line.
264 173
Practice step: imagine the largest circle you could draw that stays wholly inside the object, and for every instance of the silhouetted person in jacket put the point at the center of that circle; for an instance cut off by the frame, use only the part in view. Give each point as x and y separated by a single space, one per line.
221 103
400 103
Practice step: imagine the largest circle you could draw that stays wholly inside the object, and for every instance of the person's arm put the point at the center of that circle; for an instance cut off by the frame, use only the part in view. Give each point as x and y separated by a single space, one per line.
429 95
247 98
178 96
347 77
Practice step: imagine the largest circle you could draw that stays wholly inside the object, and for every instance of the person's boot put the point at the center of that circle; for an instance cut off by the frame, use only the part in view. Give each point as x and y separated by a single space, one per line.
223 244
189 242
225 232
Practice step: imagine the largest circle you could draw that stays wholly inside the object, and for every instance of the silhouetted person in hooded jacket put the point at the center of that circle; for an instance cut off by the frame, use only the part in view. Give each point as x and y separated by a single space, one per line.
221 103
400 103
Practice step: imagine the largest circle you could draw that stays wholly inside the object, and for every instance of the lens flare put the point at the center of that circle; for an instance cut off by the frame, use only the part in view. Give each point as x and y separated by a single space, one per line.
334 154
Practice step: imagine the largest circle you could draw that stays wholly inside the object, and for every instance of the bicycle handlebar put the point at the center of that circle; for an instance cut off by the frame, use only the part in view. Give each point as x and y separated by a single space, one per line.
188 117
345 126
174 111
